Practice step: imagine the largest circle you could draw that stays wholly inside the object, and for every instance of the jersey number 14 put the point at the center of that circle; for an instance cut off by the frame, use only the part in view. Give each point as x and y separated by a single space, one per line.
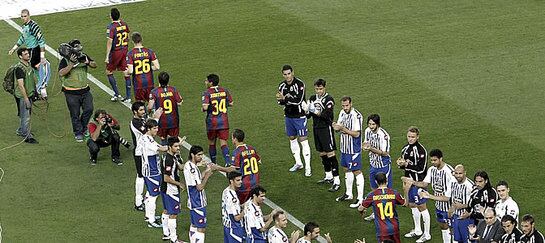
386 210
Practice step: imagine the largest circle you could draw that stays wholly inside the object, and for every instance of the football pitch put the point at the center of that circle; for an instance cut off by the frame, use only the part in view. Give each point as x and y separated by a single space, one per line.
468 74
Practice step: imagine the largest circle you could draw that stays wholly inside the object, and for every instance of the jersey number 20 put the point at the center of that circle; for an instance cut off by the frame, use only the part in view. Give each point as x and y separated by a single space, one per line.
250 166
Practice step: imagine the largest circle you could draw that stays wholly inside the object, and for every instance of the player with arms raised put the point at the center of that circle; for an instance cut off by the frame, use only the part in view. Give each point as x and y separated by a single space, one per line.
116 53
141 62
168 98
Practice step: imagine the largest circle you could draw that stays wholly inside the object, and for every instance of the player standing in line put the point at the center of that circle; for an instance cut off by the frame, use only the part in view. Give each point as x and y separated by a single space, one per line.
512 233
117 45
196 201
276 233
413 161
377 143
531 235
349 125
440 177
384 201
215 102
312 232
232 213
484 197
255 223
459 209
291 95
170 189
141 62
506 204
321 110
167 98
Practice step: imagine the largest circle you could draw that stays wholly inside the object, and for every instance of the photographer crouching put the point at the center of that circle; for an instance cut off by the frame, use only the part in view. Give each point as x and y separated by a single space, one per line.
103 133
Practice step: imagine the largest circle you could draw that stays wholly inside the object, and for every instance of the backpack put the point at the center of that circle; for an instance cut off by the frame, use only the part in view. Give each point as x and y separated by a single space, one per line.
9 80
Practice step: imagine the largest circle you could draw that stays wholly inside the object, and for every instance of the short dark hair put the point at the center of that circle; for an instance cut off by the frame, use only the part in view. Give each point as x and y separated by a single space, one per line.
381 178
213 78
277 214
346 98
309 227
320 82
287 67
136 37
164 77
414 129
151 123
194 150
256 191
172 140
239 135
136 106
98 112
21 50
509 218
502 183
375 118
233 174
484 175
436 153
114 13
388 241
528 218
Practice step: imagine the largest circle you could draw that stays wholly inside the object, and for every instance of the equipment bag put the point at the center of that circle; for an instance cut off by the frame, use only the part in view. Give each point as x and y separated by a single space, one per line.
9 80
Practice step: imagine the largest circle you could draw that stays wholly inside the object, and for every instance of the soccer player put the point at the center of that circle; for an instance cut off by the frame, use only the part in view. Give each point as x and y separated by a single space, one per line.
141 62
167 98
349 125
247 161
460 197
215 102
232 213
312 232
149 150
506 204
531 235
170 189
413 161
138 128
377 143
512 233
321 110
291 95
440 176
117 45
255 223
384 201
196 201
484 197
276 233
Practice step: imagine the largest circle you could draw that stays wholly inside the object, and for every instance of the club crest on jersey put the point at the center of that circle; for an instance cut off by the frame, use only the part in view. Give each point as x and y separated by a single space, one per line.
234 200
257 214
192 170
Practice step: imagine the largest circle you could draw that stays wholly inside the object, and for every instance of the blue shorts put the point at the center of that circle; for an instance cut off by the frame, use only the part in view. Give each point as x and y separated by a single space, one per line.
153 184
233 235
386 170
171 203
296 127
351 161
414 197
459 227
198 217
442 216
252 240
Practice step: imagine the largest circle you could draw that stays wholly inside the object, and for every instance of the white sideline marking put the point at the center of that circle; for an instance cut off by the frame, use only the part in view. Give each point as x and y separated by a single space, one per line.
185 144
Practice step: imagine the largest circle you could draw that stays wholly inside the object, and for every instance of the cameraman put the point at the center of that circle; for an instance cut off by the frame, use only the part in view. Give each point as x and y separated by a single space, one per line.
73 75
103 132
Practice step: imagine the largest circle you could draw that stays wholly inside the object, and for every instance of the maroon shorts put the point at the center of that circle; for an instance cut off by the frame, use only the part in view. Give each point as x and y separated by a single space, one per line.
168 132
243 196
394 237
222 134
117 61
142 94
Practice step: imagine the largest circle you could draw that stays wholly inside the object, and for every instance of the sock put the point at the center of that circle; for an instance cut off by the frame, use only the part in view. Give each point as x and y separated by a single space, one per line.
306 154
446 236
336 180
172 229
334 165
212 152
128 87
192 231
150 208
426 219
349 180
225 152
328 175
359 186
198 237
296 151
138 190
416 219
113 83
164 222
327 166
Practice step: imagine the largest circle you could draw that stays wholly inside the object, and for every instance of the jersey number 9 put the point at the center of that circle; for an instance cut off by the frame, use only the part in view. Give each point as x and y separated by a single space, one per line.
167 106
219 106
141 66
251 166
386 210
122 39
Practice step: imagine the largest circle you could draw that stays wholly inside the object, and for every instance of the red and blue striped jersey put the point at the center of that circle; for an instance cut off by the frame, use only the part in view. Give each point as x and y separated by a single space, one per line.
246 159
384 202
118 31
168 99
142 73
218 99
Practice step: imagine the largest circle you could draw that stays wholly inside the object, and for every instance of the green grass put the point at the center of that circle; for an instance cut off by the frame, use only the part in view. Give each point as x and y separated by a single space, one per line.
467 73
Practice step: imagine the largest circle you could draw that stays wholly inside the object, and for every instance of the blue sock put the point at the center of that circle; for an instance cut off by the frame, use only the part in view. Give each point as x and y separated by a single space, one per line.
225 152
128 87
111 79
212 152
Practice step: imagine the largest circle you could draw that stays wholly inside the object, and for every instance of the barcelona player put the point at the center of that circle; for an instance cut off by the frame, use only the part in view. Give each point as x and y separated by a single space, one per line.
384 201
215 102
116 52
168 98
141 62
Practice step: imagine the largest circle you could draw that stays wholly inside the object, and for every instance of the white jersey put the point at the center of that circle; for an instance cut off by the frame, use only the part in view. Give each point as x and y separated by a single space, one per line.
441 182
379 140
253 221
137 131
302 240
352 121
277 235
195 198
461 193
149 150
230 207
508 206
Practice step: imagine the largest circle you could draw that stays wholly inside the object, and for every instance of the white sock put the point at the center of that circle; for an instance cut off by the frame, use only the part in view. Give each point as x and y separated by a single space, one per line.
138 191
426 220
446 236
306 154
296 151
328 175
416 219
359 186
198 237
172 229
349 180
150 208
336 180
164 222
192 231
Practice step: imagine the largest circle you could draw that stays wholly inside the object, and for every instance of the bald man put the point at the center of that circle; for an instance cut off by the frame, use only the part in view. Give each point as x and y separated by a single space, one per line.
460 211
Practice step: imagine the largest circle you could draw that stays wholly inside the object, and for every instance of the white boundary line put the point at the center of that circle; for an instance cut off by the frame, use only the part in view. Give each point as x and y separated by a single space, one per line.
185 144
